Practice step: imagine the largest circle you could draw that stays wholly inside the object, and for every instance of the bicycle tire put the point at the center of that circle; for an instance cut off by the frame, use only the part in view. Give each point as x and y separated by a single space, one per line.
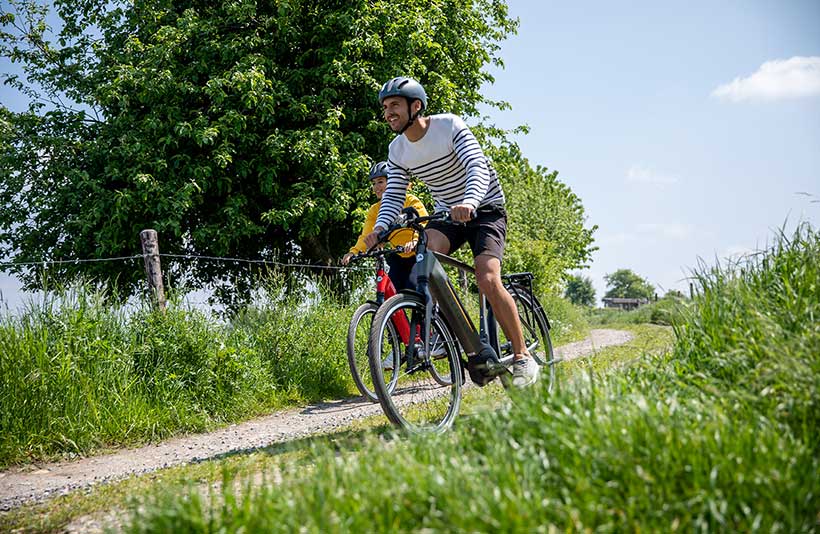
358 336
535 327
418 403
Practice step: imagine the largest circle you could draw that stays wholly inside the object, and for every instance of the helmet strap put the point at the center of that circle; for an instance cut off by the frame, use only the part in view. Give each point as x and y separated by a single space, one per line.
412 118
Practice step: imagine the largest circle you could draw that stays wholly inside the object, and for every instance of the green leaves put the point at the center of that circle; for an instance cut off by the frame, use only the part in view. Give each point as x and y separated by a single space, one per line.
580 291
546 233
626 284
236 129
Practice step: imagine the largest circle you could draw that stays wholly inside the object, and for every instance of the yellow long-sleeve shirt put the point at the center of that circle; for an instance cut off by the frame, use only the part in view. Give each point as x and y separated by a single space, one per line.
400 238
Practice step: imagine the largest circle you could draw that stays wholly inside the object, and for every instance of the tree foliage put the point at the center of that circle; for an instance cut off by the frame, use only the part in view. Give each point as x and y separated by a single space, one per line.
546 233
580 291
624 283
237 129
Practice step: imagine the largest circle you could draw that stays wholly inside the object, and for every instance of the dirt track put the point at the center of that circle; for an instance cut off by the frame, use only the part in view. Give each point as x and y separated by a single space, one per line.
38 482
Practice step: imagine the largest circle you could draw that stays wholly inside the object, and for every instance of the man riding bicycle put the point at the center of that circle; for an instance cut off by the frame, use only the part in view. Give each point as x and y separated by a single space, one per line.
400 264
441 151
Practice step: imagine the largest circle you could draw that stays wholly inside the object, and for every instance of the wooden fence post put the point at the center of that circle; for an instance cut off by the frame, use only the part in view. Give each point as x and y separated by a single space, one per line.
150 252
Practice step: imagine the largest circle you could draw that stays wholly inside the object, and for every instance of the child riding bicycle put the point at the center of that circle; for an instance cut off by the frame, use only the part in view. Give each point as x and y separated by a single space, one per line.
400 264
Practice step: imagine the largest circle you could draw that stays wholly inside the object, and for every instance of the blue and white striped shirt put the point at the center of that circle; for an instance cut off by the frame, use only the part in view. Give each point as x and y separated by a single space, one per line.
449 160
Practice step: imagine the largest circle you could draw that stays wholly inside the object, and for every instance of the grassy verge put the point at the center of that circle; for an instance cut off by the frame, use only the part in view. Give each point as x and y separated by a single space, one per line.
648 339
109 502
279 462
719 434
78 376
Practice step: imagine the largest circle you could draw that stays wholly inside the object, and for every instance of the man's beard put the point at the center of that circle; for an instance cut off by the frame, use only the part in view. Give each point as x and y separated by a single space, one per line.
397 126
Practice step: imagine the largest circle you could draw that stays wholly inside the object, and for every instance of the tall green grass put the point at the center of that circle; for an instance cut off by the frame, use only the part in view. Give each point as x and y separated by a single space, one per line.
77 374
719 434
756 331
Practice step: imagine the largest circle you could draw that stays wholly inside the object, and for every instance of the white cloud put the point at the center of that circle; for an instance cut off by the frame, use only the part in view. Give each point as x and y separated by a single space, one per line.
643 175
676 231
778 79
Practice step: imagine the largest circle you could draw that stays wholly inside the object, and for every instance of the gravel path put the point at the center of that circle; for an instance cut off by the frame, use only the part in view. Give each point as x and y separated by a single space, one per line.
34 483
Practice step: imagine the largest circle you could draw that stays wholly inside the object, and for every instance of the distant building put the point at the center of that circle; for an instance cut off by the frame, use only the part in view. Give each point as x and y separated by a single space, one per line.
623 303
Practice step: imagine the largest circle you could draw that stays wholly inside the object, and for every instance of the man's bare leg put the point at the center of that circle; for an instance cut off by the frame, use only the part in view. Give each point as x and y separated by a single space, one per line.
438 242
488 276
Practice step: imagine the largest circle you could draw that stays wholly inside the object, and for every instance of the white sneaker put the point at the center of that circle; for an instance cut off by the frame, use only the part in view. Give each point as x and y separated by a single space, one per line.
387 364
437 352
437 348
525 372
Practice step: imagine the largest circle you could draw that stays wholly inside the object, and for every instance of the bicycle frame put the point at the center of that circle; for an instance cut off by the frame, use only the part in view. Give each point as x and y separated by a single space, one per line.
384 285
480 345
486 357
433 283
384 290
487 331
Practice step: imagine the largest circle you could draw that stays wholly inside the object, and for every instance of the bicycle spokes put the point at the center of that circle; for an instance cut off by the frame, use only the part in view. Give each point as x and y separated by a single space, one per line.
427 391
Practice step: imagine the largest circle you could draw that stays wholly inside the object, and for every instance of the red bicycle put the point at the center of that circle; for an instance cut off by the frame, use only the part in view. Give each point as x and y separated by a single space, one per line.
396 339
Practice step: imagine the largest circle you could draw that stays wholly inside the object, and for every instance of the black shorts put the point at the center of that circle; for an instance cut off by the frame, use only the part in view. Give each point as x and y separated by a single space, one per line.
401 271
486 234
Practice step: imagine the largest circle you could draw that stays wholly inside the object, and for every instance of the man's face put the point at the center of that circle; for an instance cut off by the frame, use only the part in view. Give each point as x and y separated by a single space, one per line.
396 112
379 185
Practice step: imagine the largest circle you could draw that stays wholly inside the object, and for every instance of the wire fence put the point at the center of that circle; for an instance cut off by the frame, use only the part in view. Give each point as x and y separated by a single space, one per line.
207 292
74 261
78 261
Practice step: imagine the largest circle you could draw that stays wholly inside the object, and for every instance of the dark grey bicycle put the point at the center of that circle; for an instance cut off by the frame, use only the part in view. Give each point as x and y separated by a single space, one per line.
417 402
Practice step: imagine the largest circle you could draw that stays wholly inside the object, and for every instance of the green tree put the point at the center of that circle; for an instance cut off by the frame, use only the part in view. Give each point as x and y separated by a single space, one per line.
547 232
624 283
580 291
241 128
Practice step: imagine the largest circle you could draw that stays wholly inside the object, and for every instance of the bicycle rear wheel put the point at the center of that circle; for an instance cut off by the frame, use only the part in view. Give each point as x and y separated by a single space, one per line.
358 335
535 328
428 392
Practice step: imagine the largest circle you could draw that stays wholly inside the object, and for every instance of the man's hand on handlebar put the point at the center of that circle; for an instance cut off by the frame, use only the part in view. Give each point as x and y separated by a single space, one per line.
459 213
462 213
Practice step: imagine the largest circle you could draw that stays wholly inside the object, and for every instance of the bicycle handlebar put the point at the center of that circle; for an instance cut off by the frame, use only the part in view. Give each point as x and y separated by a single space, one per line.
410 218
375 253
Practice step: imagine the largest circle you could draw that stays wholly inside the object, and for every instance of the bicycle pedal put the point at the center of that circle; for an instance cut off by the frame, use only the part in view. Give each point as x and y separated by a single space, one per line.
484 367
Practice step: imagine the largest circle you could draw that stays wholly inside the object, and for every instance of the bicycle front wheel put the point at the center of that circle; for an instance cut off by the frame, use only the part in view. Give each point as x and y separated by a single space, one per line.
358 335
439 351
427 396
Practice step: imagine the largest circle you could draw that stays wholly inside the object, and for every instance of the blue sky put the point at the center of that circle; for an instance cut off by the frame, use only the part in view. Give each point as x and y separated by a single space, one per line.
687 128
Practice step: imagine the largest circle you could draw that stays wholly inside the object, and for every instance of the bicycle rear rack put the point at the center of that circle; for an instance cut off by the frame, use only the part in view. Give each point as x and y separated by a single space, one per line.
516 280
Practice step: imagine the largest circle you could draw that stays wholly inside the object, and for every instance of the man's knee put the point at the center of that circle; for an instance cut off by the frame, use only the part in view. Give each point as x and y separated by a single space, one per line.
438 242
488 274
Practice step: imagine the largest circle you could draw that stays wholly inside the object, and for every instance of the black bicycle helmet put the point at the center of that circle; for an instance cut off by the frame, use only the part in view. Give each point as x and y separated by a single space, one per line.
406 87
378 169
